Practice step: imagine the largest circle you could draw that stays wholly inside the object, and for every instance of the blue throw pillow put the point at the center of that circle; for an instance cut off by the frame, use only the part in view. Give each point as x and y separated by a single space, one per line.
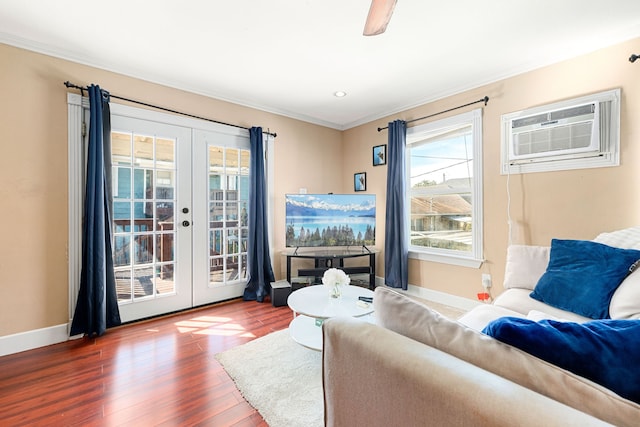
604 351
582 276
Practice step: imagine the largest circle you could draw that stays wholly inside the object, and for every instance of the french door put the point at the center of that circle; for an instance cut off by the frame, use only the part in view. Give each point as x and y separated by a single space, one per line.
180 199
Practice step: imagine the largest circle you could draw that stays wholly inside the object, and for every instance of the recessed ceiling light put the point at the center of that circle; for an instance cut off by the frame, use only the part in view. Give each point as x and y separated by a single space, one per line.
340 93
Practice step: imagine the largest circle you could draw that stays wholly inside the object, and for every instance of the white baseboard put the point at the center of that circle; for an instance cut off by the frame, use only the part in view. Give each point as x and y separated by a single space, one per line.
29 340
441 297
435 296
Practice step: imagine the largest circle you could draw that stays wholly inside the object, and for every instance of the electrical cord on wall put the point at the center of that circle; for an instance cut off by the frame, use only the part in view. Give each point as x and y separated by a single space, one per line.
509 223
490 300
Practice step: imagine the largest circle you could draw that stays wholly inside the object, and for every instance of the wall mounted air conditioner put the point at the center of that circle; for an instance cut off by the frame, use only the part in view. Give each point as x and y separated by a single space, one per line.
571 130
572 134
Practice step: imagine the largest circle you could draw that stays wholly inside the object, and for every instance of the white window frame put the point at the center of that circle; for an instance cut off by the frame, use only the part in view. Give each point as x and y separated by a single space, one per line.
416 134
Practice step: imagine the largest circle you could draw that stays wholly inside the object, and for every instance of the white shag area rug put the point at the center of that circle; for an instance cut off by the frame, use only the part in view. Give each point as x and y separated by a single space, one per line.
280 378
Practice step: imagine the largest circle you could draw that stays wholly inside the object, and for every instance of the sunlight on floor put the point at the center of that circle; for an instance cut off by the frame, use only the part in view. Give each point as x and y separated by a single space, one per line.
211 325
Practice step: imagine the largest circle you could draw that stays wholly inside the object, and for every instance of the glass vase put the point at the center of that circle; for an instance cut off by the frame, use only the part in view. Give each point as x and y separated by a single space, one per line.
336 291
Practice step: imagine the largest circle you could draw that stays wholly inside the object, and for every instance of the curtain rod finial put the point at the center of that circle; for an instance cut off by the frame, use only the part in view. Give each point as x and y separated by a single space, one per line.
486 100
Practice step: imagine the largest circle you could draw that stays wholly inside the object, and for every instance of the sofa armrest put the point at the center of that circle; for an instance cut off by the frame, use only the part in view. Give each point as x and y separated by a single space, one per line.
375 377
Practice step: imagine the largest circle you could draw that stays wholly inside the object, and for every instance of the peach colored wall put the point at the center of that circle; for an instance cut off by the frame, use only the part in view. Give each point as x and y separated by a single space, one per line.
33 173
570 204
313 162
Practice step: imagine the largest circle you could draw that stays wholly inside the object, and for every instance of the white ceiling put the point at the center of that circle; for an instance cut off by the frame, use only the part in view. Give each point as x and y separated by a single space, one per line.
290 56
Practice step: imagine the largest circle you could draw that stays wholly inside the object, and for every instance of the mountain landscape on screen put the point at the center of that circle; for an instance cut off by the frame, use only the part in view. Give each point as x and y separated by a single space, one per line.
319 220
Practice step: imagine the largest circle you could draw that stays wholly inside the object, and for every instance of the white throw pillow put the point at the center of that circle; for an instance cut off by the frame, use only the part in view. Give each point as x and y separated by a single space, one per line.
628 238
525 265
625 303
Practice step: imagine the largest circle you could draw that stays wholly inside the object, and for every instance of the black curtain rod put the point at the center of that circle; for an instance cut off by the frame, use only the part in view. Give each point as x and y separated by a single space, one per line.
82 89
485 100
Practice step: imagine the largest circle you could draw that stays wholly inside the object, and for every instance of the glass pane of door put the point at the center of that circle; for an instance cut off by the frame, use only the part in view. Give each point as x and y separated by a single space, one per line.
144 210
228 195
152 256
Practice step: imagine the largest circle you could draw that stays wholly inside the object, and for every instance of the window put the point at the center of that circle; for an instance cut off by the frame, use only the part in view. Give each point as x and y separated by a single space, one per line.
444 167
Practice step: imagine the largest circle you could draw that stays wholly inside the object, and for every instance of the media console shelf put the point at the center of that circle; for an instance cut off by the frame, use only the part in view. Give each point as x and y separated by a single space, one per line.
325 259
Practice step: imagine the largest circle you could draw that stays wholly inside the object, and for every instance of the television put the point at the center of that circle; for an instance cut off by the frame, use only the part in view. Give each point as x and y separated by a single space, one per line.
325 220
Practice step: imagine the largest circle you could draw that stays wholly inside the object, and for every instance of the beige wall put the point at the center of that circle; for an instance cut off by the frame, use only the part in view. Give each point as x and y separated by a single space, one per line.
33 171
573 204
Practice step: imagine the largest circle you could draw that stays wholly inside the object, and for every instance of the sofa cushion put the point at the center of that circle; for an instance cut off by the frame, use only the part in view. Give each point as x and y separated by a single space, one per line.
525 265
604 351
625 303
582 276
520 300
408 317
480 316
536 316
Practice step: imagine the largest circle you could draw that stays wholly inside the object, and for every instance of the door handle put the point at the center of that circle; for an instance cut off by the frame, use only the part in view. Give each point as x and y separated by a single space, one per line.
185 223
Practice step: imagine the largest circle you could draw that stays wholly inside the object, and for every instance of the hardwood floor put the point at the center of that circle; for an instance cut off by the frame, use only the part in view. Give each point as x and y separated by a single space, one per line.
156 372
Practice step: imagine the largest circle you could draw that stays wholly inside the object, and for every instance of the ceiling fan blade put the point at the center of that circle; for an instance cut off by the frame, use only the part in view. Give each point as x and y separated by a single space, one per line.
379 15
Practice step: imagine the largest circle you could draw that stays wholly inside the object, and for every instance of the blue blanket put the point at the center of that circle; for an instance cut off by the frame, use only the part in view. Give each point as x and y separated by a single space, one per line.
605 351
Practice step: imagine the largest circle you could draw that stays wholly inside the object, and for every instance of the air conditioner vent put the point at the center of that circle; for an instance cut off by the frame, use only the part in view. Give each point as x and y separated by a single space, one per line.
566 132
558 138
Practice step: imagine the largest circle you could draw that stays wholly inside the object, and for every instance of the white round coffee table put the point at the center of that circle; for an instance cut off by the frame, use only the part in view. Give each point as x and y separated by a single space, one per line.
312 305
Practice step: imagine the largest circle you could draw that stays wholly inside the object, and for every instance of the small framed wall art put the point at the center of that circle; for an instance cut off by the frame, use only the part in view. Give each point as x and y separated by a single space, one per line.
380 155
359 181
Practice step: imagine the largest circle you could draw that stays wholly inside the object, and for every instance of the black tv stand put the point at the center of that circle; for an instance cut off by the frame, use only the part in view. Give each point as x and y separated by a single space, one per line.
325 259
